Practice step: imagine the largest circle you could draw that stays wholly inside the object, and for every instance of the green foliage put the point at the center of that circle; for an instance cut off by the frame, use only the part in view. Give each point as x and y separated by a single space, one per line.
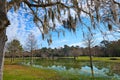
110 48
14 48
113 58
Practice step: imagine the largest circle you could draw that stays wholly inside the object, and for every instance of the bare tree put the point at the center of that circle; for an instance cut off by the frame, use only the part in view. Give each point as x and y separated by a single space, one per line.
75 52
31 45
89 42
98 11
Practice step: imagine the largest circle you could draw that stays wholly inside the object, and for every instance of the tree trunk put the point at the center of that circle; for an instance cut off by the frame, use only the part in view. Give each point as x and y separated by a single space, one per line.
23 58
74 57
4 22
31 61
2 43
91 64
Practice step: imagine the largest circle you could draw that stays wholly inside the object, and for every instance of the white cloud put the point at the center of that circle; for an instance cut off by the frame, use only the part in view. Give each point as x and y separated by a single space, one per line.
12 29
81 44
21 25
60 41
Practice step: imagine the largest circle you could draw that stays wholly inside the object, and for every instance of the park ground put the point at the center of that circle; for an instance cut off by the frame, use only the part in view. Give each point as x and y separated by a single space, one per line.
15 71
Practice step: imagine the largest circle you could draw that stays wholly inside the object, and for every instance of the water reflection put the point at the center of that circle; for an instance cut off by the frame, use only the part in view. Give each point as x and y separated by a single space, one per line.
84 70
97 72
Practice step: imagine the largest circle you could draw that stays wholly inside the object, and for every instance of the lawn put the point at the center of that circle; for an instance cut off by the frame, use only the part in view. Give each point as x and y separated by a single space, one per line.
19 72
104 59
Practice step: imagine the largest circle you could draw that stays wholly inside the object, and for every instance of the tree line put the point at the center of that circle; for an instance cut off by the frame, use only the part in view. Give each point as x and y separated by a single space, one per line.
105 49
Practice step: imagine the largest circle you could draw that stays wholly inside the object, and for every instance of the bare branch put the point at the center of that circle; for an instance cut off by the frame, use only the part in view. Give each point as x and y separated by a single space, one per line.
45 5
116 3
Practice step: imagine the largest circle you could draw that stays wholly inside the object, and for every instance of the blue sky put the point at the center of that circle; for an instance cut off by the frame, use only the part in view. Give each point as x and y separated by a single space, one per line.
22 25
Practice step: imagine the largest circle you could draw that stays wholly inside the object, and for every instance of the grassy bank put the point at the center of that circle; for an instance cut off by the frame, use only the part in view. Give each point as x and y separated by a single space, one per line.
81 58
104 59
18 72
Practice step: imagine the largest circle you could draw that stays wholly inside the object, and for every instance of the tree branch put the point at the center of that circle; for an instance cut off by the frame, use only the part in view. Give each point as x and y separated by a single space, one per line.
13 3
45 5
116 2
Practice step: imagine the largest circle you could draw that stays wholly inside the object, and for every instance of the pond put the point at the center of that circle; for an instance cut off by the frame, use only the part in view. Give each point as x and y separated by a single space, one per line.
101 69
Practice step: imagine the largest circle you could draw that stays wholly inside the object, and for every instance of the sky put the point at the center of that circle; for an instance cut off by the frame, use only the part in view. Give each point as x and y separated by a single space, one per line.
22 25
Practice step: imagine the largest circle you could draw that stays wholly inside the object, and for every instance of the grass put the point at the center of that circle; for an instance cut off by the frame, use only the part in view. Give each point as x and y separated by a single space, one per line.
18 72
15 71
104 59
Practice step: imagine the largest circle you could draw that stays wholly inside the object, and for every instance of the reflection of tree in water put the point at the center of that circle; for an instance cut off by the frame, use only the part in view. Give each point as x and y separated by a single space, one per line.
69 63
100 65
107 70
116 68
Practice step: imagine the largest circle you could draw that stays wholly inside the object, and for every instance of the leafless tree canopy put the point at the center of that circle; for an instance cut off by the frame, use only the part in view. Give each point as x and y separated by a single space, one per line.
31 42
48 13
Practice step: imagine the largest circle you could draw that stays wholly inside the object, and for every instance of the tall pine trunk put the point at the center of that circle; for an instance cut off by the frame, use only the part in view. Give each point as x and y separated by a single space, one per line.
4 22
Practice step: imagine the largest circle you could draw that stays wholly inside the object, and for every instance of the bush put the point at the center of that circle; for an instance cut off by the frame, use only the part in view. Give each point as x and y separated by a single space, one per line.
113 59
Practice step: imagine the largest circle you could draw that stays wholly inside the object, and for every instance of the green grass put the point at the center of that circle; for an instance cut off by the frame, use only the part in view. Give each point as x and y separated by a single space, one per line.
104 59
18 72
81 58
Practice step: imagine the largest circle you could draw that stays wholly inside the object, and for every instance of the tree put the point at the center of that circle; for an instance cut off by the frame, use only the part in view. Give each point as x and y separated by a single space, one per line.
44 52
31 45
66 50
89 42
14 48
104 45
113 49
75 52
98 11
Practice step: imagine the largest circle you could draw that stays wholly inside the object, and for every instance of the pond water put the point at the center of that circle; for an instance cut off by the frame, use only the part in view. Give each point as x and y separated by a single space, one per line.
101 69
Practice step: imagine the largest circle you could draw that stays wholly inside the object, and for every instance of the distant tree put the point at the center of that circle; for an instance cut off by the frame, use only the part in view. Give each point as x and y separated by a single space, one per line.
44 52
97 51
117 46
89 41
19 51
104 43
113 49
104 46
31 45
14 48
66 50
52 53
75 52
38 53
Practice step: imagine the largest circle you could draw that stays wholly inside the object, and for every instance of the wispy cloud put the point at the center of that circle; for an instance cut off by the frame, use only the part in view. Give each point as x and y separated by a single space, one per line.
21 25
60 41
81 44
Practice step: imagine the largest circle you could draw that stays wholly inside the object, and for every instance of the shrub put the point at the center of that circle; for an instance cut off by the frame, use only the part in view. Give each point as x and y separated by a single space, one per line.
113 59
